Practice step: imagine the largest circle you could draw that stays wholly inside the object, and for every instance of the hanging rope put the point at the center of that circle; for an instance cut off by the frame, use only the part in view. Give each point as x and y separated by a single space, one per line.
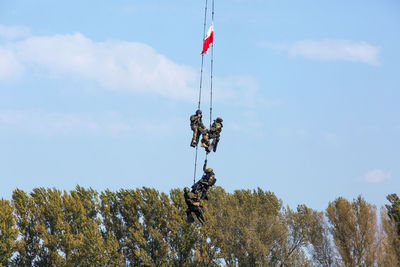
212 63
202 55
201 83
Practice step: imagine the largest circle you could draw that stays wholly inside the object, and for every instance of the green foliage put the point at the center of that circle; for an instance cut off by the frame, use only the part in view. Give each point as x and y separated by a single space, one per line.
391 228
144 227
354 229
393 210
8 232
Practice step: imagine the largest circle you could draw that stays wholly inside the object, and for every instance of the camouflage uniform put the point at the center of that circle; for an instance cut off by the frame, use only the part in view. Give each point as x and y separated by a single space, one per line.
193 202
205 182
197 126
214 133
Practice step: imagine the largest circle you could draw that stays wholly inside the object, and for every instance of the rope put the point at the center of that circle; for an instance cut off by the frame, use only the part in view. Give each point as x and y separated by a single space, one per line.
202 55
201 83
212 63
195 165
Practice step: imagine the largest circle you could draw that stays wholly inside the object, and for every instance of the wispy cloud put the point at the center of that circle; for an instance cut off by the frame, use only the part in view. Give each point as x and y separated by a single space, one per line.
45 123
113 65
15 32
330 50
131 67
376 176
9 64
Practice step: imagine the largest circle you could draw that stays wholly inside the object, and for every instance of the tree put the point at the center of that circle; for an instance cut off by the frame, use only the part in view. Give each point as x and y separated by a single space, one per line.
354 229
8 232
393 210
83 243
185 236
389 249
321 249
27 246
247 226
391 232
48 225
155 208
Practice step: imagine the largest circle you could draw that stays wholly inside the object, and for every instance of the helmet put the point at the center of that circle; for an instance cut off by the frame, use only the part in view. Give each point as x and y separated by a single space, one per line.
219 119
209 170
186 190
198 112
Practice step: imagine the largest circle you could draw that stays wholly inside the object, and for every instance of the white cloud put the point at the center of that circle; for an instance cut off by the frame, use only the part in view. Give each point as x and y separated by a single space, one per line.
39 122
118 65
9 64
13 32
330 50
376 176
113 65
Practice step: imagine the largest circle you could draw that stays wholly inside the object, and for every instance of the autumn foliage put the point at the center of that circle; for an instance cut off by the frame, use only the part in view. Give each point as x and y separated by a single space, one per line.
144 227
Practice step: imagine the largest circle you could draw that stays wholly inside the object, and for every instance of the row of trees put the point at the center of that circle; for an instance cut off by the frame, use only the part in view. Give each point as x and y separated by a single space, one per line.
144 227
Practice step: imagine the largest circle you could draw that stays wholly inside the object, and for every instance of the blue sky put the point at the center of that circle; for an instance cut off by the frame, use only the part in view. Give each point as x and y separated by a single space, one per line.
99 93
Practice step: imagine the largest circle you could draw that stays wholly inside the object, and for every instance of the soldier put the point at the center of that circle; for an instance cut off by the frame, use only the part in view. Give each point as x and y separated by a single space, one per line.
193 202
214 134
205 182
198 128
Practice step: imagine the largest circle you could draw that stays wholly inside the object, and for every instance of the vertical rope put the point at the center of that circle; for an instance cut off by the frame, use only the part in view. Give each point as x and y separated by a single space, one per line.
201 83
202 55
212 63
195 165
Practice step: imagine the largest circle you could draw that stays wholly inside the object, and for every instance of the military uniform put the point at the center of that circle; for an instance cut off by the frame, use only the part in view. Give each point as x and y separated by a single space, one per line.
208 176
214 133
205 182
197 126
193 202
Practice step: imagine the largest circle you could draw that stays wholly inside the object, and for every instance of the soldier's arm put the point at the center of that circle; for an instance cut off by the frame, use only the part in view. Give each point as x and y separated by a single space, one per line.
201 124
212 177
194 199
204 182
190 199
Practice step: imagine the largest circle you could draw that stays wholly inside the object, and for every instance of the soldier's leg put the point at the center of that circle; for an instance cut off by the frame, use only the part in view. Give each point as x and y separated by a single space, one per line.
196 210
205 141
199 215
195 136
216 144
189 215
204 195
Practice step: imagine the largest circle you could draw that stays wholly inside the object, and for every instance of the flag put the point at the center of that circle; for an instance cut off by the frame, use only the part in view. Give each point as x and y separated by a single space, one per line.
208 40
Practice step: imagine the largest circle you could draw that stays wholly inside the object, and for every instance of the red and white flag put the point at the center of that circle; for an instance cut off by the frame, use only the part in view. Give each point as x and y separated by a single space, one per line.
208 40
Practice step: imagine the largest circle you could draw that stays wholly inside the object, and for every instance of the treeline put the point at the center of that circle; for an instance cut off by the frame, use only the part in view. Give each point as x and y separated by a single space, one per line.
144 227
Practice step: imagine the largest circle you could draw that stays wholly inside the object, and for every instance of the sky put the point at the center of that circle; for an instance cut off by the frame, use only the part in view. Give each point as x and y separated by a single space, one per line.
99 94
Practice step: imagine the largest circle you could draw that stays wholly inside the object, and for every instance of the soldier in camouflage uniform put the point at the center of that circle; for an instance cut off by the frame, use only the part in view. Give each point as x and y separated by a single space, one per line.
208 180
198 128
193 202
214 133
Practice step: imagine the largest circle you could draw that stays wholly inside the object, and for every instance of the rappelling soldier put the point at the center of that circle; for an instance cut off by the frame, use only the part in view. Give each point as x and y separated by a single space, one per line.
193 203
214 133
207 180
198 128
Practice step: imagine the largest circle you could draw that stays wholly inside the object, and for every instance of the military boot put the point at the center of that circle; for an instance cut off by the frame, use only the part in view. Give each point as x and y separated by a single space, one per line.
193 143
205 142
